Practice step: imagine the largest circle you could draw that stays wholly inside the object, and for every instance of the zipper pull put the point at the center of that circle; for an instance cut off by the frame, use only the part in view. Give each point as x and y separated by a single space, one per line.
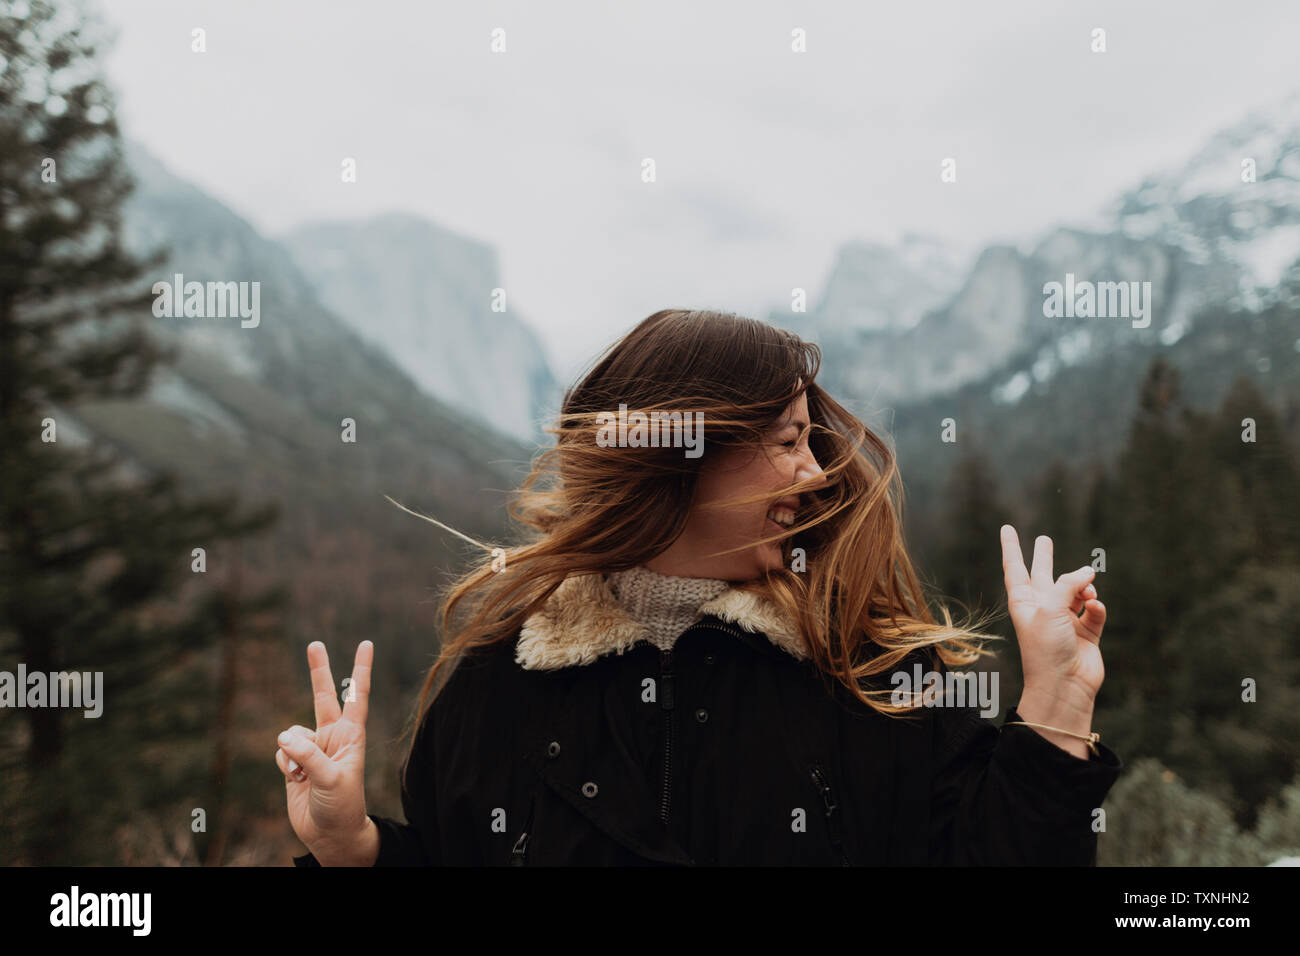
519 851
820 779
832 822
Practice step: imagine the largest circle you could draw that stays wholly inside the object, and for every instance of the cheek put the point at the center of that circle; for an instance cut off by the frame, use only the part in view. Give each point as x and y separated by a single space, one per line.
740 524
739 477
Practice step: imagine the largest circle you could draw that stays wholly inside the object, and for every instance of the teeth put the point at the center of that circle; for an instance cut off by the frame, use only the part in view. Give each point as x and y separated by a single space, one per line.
782 516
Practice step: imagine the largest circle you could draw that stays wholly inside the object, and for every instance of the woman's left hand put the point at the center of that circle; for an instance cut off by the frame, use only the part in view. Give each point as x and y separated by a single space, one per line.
1059 648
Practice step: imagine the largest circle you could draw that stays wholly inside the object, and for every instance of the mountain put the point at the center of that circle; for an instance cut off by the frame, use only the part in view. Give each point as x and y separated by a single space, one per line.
423 295
1240 235
1081 412
260 411
1201 237
874 287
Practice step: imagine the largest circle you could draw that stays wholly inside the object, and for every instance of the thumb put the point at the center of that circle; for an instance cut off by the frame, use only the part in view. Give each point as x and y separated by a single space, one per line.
322 771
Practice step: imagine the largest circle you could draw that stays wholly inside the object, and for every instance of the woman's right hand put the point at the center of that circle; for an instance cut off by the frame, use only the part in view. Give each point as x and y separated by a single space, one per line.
324 769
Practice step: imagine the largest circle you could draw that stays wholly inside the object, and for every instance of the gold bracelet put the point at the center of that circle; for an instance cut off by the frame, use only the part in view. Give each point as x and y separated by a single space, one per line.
1092 738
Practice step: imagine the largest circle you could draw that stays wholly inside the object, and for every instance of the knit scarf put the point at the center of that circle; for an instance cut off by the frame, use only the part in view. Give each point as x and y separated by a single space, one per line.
665 604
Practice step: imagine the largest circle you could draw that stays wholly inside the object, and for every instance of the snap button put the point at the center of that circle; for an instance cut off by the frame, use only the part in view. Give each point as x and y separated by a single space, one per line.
589 789
553 749
708 658
701 715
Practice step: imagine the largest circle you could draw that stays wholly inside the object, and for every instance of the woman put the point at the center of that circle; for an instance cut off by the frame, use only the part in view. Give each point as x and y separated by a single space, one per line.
702 655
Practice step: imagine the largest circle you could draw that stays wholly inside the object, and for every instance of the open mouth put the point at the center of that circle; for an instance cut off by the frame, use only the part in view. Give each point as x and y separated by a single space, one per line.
781 517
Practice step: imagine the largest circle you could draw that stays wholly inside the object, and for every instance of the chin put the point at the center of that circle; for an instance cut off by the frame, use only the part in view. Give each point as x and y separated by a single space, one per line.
771 559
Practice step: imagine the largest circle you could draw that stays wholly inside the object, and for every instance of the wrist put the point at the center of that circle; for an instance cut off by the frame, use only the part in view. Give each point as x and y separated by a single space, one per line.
1070 713
1062 701
361 849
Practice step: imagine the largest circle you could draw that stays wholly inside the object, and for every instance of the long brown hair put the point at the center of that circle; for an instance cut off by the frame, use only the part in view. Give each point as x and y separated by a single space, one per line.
588 508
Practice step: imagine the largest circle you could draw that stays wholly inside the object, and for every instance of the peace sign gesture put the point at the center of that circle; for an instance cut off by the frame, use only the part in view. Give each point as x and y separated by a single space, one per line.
324 769
1059 648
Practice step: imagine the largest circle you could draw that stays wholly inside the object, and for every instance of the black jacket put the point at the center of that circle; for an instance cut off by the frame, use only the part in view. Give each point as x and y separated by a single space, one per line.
579 743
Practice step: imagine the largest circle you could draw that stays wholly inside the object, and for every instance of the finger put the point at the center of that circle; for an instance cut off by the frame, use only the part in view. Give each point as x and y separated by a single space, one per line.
1093 620
323 771
1081 598
1013 562
306 732
289 767
322 684
310 734
1041 574
357 702
1069 587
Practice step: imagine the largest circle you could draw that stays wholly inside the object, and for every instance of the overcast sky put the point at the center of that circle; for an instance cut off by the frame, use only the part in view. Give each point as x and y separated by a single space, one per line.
767 160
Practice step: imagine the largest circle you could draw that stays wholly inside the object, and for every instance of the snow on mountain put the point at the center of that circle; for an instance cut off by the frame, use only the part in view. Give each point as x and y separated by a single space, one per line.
1209 207
899 323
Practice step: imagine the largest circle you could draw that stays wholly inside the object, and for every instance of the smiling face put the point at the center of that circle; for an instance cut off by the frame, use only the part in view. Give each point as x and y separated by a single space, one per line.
783 459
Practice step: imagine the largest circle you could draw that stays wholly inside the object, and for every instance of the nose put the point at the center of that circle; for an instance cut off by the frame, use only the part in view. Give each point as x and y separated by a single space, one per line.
810 470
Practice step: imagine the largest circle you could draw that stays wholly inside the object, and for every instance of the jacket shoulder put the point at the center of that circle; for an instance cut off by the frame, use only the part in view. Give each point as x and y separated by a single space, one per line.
480 669
487 696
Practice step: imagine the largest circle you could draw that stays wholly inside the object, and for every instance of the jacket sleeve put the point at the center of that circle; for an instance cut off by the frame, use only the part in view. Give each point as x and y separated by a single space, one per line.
1010 797
416 842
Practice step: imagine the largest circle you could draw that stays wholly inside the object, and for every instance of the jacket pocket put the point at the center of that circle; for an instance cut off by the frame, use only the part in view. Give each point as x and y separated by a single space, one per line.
519 852
831 811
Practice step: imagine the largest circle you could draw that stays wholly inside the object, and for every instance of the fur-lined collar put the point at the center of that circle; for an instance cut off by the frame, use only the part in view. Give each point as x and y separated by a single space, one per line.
583 621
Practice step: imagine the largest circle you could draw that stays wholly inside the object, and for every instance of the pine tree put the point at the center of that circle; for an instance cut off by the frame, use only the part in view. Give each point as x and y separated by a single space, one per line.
95 557
970 557
969 565
1150 565
1264 471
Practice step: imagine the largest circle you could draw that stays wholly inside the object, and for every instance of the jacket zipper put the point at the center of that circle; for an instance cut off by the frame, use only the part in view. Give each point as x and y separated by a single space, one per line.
519 852
832 821
666 702
715 627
